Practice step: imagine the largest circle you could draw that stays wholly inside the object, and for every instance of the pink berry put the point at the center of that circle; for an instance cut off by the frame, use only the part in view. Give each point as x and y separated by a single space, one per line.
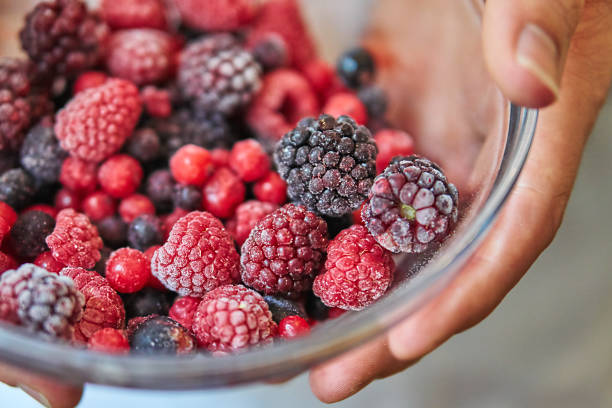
249 160
120 175
271 189
127 270
75 241
223 193
346 104
220 157
48 262
65 198
89 79
392 143
184 309
112 341
293 326
191 165
133 206
78 175
156 102
248 215
98 206
134 14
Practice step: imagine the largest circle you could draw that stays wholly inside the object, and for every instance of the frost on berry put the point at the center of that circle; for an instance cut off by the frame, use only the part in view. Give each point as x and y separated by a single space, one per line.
75 241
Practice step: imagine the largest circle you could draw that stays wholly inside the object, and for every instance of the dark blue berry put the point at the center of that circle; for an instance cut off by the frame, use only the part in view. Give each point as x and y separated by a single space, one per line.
160 189
356 68
271 52
162 335
188 198
148 301
375 100
144 145
113 231
281 308
41 154
29 233
17 188
315 307
144 232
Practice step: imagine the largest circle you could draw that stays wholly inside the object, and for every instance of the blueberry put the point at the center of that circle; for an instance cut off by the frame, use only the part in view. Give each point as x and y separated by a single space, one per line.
16 188
29 233
315 307
162 335
188 198
356 68
160 189
148 301
113 231
375 100
281 308
144 232
144 145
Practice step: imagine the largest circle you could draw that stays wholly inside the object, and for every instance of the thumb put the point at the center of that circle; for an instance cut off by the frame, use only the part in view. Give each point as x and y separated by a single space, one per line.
526 43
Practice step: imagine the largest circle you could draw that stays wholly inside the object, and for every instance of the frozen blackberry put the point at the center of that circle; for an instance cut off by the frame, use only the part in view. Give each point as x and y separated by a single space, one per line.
356 67
29 233
281 308
374 98
217 74
15 117
113 231
144 232
15 75
143 145
160 189
188 198
41 154
329 165
62 38
16 188
162 335
411 206
146 302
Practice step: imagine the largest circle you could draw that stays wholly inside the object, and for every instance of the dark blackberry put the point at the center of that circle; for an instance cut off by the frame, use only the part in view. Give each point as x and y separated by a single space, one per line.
217 74
29 233
356 68
15 118
16 188
270 51
62 38
329 165
374 98
101 264
146 302
160 189
144 232
315 307
188 198
281 308
143 145
41 154
113 231
162 335
15 75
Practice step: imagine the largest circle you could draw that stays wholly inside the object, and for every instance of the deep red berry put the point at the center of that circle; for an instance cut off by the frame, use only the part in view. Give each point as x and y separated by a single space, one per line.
89 79
7 262
120 175
111 341
198 256
157 102
7 213
127 270
293 326
46 208
153 281
48 262
284 99
217 15
97 121
65 198
98 206
323 79
232 317
249 160
220 157
135 205
223 193
284 252
357 271
134 14
271 189
183 309
75 241
191 165
78 175
392 143
169 220
248 214
346 104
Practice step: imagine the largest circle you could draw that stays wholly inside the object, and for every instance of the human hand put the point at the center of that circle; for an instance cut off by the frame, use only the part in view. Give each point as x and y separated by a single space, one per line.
565 63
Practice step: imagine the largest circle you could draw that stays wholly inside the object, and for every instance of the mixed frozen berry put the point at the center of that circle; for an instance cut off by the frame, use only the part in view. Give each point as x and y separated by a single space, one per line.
177 178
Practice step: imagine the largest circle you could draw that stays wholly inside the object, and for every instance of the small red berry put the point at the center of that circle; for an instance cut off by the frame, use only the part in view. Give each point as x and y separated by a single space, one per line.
48 262
98 206
78 175
156 102
346 104
127 270
7 262
249 160
220 157
52 211
134 14
133 206
392 143
271 189
323 79
89 79
7 213
217 15
184 309
293 326
247 216
120 175
109 340
191 165
65 198
223 193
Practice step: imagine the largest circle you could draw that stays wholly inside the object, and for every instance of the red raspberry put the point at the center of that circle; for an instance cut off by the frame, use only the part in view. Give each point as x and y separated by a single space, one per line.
135 205
191 165
284 252
247 216
323 79
6 263
98 206
249 160
219 158
284 18
153 281
127 270
157 102
97 121
47 209
293 326
169 220
110 341
103 306
347 104
392 143
120 175
217 15
48 262
143 56
78 175
284 99
233 317
223 193
198 256
357 272
183 310
75 241
134 14
65 198
89 79
271 189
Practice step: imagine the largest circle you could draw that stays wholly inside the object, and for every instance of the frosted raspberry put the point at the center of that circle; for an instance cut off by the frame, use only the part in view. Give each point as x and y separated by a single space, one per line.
183 310
198 256
97 121
134 13
75 241
103 307
217 15
79 175
231 318
357 272
120 175
110 341
284 252
249 160
247 216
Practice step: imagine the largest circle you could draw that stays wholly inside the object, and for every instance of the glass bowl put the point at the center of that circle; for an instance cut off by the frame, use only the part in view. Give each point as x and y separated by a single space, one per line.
430 61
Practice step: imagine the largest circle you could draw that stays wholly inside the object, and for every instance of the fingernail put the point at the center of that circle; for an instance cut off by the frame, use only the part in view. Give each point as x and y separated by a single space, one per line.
538 53
35 394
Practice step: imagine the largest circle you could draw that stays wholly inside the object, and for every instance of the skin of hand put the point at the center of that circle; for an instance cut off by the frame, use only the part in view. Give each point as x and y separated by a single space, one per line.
542 53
